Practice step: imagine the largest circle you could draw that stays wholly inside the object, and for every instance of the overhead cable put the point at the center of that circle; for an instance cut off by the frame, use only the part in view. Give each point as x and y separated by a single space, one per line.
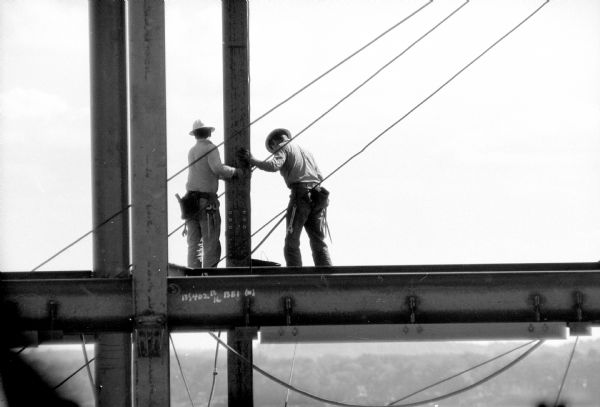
269 221
287 395
422 102
377 72
238 132
357 88
73 374
89 370
98 226
215 373
374 139
187 389
253 234
171 233
306 86
267 235
562 384
264 238
342 62
478 383
342 404
459 373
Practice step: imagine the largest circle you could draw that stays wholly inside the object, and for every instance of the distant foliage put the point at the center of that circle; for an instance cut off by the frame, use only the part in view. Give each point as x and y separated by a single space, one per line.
369 379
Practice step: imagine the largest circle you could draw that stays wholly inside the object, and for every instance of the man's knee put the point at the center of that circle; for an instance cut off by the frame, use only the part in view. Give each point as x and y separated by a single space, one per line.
292 240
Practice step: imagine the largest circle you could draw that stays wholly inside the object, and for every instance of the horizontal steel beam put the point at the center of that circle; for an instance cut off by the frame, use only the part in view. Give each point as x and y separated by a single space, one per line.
317 296
45 275
71 305
384 298
412 332
429 268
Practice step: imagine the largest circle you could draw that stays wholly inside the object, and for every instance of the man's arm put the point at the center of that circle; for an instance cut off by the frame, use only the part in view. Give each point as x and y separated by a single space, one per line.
218 168
273 164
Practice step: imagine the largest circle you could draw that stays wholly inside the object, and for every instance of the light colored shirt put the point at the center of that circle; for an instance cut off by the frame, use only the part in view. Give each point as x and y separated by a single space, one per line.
294 163
205 173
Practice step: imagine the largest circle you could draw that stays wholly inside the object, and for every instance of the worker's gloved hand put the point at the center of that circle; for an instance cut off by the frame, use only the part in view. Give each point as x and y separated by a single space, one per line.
241 173
245 157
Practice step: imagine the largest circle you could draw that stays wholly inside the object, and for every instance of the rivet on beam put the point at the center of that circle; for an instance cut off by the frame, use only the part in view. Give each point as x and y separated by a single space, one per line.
579 306
52 313
287 304
412 306
247 309
537 308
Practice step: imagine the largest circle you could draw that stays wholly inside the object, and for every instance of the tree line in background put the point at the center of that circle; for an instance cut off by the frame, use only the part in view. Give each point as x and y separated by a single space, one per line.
367 379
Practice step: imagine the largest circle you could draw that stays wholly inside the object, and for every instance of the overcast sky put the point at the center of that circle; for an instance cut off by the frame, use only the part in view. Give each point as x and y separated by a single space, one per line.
501 166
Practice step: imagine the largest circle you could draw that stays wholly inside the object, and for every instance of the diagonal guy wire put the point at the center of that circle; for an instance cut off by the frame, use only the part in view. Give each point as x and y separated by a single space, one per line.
215 373
353 91
303 88
87 365
342 404
377 72
73 374
422 102
98 226
187 389
562 384
459 373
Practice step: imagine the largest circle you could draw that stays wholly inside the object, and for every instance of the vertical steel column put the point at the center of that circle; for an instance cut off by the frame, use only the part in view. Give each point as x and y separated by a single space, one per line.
110 185
236 116
236 111
149 201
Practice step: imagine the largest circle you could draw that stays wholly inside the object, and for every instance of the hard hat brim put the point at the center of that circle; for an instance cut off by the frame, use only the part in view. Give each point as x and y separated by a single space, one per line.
274 133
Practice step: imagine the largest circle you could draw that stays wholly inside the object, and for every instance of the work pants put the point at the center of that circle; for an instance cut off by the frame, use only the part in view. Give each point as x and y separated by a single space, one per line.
307 216
203 232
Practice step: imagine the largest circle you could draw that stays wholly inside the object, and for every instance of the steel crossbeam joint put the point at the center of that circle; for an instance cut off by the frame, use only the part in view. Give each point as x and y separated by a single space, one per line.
149 332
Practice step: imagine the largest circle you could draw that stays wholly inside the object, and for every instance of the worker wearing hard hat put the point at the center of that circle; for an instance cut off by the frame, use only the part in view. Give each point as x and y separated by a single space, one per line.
308 200
200 205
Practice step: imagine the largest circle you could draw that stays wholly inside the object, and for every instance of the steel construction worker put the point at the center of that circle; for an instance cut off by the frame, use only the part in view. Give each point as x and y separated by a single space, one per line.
203 219
308 200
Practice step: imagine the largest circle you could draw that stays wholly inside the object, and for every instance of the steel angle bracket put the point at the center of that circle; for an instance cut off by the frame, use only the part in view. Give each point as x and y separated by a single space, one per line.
413 332
149 332
579 328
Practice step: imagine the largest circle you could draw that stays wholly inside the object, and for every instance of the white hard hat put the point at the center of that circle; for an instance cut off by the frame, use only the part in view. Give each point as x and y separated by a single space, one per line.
285 133
199 125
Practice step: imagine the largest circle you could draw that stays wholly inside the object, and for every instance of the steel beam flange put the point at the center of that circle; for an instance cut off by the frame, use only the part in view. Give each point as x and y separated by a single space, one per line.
149 333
